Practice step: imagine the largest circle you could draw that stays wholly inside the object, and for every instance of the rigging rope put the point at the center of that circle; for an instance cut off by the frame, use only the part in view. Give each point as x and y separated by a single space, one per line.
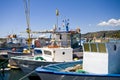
27 75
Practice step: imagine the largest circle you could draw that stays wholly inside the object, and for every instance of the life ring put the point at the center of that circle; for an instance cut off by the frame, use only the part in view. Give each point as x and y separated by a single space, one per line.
39 58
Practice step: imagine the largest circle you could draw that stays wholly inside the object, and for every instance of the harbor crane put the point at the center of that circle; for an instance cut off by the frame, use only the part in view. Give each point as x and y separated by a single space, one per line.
27 13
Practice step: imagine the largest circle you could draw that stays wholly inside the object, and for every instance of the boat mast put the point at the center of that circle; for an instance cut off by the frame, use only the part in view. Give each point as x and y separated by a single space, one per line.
27 13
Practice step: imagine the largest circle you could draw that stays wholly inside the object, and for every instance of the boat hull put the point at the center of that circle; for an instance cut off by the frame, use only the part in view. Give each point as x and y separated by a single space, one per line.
3 54
13 54
57 72
28 66
51 76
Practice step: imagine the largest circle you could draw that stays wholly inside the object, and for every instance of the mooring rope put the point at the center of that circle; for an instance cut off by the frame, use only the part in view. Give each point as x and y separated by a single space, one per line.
27 75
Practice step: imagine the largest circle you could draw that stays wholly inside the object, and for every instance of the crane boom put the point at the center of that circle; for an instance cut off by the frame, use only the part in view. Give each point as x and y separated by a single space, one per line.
27 13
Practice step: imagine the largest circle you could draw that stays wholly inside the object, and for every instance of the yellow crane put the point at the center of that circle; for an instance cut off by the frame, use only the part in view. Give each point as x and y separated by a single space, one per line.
27 13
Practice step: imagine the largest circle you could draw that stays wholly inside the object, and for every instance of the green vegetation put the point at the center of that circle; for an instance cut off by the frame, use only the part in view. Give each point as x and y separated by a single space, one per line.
102 34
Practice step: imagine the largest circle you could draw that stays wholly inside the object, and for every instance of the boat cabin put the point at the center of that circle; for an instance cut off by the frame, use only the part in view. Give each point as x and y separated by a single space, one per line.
101 57
55 54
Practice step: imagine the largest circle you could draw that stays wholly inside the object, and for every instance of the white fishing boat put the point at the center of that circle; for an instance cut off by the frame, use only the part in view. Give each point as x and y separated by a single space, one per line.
100 62
45 56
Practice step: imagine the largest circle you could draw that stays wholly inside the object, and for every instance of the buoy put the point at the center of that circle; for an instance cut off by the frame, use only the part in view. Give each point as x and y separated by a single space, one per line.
12 67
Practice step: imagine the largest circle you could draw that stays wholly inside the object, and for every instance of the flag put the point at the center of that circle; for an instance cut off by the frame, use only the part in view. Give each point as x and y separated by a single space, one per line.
57 12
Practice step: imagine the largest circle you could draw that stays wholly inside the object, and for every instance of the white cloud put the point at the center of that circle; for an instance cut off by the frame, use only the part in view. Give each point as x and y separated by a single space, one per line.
111 22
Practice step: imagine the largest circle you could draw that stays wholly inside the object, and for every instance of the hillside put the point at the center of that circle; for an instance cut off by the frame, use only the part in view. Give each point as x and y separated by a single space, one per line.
108 34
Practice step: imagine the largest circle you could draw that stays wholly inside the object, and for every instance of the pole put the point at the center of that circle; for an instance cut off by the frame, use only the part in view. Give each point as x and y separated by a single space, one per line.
57 21
57 14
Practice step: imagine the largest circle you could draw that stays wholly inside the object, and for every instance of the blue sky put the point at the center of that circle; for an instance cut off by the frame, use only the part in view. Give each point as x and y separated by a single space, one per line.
89 15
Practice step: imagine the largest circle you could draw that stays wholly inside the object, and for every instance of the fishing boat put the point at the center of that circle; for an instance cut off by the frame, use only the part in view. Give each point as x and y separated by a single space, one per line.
15 45
46 56
12 63
12 41
9 43
100 62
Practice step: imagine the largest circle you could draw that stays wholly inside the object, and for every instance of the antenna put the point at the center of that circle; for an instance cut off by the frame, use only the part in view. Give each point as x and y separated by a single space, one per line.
66 23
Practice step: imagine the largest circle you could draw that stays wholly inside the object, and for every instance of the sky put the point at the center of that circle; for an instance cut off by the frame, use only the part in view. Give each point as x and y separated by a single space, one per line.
88 15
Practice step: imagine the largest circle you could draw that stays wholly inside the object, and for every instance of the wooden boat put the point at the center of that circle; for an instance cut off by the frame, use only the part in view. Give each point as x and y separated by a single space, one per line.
100 62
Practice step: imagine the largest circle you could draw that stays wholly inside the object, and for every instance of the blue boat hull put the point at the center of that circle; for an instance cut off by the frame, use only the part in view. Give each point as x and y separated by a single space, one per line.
55 72
49 76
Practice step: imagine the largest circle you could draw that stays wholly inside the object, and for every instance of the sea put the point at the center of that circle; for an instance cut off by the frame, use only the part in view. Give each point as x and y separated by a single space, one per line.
16 74
12 74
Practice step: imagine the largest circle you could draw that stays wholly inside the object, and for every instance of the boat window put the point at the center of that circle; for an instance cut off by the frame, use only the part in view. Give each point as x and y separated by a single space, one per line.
115 47
101 47
63 53
93 47
86 47
75 40
47 52
37 51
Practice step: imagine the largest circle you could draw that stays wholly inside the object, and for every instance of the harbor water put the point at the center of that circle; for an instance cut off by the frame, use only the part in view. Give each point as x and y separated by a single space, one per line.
16 74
